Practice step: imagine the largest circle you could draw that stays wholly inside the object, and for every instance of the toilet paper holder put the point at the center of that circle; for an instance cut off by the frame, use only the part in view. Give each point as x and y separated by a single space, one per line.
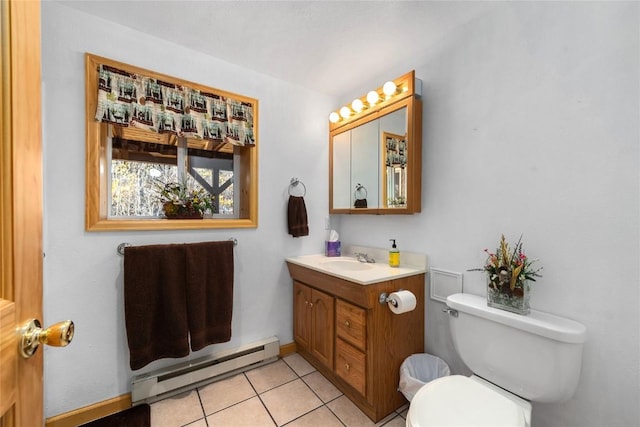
384 299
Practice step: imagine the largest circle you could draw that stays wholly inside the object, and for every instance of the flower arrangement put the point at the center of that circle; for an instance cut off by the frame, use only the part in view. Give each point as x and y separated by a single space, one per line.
508 275
508 270
178 201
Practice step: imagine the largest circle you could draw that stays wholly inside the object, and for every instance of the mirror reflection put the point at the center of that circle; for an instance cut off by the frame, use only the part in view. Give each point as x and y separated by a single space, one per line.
356 155
393 142
364 153
395 147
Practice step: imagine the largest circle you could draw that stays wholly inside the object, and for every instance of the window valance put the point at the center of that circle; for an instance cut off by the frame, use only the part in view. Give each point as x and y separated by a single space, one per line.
129 99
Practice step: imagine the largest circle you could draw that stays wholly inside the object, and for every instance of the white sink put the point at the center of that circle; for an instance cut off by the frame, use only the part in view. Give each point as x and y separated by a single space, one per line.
349 268
347 265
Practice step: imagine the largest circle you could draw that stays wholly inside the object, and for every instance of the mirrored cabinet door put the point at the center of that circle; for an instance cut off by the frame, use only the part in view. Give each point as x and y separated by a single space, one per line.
364 153
378 159
395 170
341 161
393 144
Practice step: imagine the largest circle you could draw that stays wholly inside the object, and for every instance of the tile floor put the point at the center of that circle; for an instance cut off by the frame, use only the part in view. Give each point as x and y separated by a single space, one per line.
289 392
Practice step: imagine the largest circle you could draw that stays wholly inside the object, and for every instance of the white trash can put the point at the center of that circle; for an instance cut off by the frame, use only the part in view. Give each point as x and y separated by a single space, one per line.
419 369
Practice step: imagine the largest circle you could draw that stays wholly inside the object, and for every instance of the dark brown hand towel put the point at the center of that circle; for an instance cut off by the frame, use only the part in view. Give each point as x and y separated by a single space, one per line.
297 217
155 303
209 292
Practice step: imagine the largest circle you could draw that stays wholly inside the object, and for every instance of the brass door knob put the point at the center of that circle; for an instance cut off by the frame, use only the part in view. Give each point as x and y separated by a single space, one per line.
32 335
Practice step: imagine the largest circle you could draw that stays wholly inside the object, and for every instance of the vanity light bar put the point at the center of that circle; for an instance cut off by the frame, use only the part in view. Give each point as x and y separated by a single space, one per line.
392 91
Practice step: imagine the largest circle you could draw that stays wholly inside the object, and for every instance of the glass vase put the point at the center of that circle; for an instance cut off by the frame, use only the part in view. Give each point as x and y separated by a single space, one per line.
516 300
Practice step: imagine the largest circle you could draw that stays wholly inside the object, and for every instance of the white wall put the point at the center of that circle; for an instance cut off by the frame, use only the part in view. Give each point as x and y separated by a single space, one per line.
531 126
83 272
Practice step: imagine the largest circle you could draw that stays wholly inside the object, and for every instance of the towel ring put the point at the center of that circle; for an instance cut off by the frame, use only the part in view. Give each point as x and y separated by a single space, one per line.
294 183
360 187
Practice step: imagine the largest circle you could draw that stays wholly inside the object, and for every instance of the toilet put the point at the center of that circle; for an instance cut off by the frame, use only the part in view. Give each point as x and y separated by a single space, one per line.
515 360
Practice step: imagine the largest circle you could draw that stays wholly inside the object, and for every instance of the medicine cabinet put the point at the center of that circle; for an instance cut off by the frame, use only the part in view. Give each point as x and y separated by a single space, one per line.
375 163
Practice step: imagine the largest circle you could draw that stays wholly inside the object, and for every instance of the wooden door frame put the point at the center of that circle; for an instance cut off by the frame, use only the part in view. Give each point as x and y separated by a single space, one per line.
21 196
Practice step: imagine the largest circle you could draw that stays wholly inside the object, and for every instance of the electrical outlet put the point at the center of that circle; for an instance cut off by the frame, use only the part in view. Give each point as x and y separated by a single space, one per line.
327 223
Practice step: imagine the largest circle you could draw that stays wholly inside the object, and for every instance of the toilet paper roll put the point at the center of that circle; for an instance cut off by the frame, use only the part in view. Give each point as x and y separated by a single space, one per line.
401 302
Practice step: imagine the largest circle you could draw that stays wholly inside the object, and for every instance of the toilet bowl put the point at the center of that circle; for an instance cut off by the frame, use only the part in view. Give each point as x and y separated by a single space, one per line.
457 400
515 359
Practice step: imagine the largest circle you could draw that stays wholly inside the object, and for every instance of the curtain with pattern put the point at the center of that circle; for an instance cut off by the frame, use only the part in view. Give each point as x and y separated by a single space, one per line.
128 99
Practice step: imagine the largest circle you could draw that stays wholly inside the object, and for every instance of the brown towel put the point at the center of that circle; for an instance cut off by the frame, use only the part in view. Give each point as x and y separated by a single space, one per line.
155 303
297 217
209 292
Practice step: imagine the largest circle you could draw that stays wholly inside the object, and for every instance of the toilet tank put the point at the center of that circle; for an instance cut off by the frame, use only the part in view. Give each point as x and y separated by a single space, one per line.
537 356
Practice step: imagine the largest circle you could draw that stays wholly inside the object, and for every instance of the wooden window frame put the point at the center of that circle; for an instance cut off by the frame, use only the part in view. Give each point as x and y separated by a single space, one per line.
97 169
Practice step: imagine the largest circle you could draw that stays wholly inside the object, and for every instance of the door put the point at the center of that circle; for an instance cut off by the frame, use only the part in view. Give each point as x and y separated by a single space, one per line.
20 210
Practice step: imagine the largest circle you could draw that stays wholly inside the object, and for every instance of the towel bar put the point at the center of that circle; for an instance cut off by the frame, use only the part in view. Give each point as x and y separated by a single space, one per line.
121 246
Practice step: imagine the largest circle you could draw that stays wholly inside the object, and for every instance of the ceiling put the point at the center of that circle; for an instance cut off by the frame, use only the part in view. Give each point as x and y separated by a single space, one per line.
326 46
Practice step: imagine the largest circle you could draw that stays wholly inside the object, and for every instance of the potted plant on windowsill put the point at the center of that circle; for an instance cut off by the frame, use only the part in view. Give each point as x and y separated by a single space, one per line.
180 202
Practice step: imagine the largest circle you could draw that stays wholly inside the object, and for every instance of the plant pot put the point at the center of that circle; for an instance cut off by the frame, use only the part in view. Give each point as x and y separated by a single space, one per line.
173 211
185 216
503 297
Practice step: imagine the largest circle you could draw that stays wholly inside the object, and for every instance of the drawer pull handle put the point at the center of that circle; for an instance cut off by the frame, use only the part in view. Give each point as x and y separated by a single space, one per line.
311 304
347 367
346 323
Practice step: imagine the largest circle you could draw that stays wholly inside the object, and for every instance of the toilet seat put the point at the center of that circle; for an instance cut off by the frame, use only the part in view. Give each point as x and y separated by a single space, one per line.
462 401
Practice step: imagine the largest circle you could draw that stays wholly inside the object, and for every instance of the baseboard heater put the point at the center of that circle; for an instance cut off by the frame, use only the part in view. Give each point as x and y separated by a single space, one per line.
166 382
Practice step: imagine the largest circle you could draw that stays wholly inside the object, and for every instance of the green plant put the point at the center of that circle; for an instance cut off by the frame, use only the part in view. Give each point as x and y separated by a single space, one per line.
178 199
507 270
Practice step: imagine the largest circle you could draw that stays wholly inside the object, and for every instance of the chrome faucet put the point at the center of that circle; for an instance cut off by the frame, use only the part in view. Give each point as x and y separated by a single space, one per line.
362 257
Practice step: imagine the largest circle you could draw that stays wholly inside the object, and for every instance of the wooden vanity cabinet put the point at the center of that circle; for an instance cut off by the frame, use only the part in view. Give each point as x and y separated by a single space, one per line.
341 328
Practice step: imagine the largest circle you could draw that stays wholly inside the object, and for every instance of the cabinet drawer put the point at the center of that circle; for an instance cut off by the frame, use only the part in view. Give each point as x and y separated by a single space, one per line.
350 365
351 324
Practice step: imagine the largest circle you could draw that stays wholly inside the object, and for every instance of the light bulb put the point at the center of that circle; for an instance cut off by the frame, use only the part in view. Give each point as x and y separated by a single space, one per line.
345 112
372 97
357 105
334 117
389 88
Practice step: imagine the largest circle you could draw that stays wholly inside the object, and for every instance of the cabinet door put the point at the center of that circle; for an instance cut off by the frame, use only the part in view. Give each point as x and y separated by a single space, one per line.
323 326
302 315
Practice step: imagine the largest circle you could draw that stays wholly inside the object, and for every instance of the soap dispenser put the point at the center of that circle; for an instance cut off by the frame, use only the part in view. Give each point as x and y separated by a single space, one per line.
394 255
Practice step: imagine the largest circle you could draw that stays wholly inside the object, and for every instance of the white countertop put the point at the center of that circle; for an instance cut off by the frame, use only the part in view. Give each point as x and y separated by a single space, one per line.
348 268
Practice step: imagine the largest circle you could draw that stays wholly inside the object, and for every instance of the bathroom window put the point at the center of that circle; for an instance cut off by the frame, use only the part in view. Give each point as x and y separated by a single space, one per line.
133 183
145 129
138 172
